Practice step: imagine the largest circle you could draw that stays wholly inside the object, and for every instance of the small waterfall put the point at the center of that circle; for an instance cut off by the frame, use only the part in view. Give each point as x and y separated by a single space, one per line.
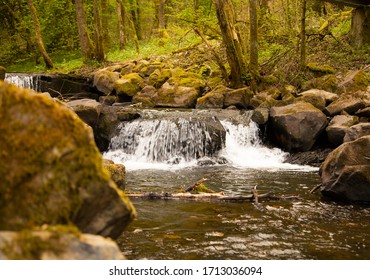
23 80
189 139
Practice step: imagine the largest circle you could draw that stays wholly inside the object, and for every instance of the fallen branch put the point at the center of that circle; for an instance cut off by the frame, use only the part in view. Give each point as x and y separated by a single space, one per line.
219 196
196 184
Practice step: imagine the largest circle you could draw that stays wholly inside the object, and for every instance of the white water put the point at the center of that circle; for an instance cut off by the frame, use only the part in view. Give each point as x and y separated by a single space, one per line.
22 80
165 144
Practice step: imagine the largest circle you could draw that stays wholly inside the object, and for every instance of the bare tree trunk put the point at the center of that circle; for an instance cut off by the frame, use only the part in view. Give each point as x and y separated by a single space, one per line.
85 42
303 36
99 50
161 18
135 16
121 29
40 43
360 27
226 20
253 47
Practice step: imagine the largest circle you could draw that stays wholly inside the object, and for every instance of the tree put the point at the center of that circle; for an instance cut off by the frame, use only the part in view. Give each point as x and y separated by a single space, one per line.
303 35
253 62
360 28
161 17
121 28
226 19
99 48
85 41
40 42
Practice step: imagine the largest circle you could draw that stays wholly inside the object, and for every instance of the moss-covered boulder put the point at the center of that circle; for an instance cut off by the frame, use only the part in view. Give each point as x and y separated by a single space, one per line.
329 97
315 99
261 115
345 172
58 243
327 83
51 170
117 172
159 76
147 97
213 99
2 73
239 97
320 70
354 81
105 79
170 95
296 127
129 85
337 127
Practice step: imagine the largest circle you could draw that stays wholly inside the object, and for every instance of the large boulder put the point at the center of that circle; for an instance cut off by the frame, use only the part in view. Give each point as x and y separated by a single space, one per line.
337 128
354 81
87 109
327 83
57 243
105 79
213 99
329 97
347 103
357 131
147 97
239 97
128 85
51 170
296 127
345 172
172 95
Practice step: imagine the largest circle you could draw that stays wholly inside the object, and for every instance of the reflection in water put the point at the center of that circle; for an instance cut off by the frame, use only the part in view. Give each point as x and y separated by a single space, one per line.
301 229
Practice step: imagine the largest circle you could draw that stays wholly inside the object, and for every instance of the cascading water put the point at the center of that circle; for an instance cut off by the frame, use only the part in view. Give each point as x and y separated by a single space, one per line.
23 80
193 138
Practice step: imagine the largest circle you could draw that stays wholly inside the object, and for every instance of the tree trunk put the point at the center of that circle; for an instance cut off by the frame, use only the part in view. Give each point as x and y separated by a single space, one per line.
121 28
105 23
360 28
303 36
253 48
135 16
161 18
99 49
85 42
226 20
40 43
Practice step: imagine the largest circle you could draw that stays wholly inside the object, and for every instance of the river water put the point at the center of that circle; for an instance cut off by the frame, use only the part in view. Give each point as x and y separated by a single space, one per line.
306 228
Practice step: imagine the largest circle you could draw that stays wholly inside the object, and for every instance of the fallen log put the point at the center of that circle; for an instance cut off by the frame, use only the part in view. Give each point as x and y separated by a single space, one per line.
217 196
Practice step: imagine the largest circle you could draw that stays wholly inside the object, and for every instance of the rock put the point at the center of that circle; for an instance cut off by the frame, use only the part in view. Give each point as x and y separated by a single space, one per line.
117 172
363 112
51 170
159 77
348 104
320 70
354 81
316 100
239 98
328 96
108 100
296 127
313 158
327 83
129 85
357 131
104 80
87 109
147 96
56 244
345 173
176 96
214 99
261 115
2 73
337 128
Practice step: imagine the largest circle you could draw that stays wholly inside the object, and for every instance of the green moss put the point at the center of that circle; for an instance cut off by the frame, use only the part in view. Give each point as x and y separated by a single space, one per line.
361 80
322 69
129 84
202 189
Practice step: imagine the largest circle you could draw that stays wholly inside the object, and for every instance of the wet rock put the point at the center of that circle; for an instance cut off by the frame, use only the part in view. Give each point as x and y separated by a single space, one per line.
261 115
296 127
337 128
312 158
51 170
87 109
105 79
357 131
56 244
345 173
348 104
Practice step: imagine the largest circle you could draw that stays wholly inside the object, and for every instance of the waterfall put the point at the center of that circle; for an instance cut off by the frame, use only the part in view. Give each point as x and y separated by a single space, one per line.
192 138
23 80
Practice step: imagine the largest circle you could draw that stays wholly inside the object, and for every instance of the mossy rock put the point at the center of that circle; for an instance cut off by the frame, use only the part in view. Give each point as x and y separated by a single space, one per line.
320 70
327 83
104 80
129 85
355 81
117 172
158 77
214 99
51 170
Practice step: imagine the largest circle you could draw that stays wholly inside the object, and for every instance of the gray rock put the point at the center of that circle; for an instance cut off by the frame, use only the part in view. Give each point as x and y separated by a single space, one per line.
357 131
87 109
348 104
338 127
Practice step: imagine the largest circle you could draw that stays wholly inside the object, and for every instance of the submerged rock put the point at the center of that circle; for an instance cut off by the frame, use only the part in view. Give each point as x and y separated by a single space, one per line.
345 172
51 170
